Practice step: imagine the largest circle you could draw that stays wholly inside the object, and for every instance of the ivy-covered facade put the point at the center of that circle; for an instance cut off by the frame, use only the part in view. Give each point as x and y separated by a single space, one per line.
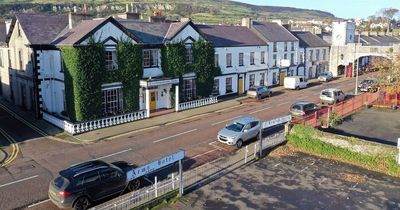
110 69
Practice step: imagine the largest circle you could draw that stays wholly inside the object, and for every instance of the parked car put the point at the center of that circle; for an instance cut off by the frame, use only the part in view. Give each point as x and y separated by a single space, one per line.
303 108
325 76
332 96
295 82
79 185
368 85
259 92
241 130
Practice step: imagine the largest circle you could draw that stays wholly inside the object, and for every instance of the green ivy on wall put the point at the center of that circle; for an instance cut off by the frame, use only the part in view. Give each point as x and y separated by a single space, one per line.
173 60
85 72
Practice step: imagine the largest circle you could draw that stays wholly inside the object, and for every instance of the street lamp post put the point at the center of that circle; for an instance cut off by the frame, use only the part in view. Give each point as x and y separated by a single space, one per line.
358 65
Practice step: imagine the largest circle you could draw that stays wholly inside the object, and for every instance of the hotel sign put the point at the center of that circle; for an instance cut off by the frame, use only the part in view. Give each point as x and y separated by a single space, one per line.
155 83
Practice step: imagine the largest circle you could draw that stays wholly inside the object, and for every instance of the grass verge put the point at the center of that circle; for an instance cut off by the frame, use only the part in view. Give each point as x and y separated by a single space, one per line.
306 139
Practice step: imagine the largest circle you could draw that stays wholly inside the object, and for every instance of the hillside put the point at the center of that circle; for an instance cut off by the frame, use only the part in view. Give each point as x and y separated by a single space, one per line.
209 11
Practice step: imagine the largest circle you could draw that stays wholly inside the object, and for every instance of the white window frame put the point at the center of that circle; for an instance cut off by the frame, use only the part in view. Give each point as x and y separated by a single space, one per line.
189 89
228 60
111 59
189 53
216 61
151 59
262 57
262 79
112 99
241 59
216 87
252 58
228 85
252 80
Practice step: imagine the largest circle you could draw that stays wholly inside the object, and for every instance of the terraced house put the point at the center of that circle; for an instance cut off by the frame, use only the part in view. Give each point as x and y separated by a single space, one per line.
85 69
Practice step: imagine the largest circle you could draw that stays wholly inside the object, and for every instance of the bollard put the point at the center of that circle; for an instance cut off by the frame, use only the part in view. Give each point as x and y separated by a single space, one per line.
255 150
155 186
245 154
173 181
398 147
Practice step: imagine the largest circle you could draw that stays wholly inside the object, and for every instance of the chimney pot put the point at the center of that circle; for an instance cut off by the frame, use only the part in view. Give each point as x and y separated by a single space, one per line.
247 22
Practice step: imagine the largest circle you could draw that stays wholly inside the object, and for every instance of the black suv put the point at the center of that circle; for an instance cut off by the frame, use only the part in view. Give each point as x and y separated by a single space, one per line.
81 184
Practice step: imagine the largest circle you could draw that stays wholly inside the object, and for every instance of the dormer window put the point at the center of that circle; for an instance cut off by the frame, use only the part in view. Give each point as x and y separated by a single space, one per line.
111 59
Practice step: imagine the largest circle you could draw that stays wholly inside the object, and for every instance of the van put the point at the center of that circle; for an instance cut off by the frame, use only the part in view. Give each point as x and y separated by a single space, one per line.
295 82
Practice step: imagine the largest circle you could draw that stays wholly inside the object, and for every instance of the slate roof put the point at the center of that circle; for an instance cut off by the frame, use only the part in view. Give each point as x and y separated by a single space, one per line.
71 36
308 39
378 40
3 34
273 32
230 36
147 32
42 28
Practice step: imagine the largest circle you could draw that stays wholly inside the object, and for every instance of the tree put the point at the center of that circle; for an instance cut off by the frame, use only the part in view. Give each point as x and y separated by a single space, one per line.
388 15
389 71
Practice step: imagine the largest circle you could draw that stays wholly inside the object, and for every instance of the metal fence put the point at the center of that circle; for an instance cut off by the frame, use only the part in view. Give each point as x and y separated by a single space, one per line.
345 108
192 178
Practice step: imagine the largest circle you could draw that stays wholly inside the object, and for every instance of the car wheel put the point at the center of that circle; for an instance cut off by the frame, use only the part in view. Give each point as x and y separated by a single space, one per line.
258 136
269 95
82 203
239 143
297 88
134 185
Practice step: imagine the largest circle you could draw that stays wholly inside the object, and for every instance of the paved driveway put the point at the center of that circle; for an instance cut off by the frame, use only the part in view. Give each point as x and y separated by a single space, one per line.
298 181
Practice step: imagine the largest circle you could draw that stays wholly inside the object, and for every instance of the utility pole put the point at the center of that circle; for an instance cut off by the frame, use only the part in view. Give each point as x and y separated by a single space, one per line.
358 66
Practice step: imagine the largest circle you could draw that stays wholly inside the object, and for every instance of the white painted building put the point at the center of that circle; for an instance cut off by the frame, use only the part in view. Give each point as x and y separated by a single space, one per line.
313 54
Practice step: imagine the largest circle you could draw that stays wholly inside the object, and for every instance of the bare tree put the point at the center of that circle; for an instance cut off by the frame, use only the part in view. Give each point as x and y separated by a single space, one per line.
389 71
388 14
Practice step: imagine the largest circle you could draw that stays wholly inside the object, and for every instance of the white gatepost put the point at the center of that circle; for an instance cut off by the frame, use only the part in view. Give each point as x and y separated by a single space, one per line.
398 147
176 98
147 102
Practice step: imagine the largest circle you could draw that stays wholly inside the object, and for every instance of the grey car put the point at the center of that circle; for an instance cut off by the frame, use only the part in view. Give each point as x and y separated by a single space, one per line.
325 76
303 108
239 131
259 92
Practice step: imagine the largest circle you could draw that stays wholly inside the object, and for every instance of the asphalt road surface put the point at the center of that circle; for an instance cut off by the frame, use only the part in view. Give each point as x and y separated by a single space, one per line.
297 181
24 183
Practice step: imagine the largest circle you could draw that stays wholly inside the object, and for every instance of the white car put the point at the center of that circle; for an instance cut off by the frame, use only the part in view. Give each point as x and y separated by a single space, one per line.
295 82
332 96
241 130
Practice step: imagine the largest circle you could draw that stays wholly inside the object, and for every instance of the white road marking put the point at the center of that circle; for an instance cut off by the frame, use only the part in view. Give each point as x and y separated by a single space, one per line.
283 103
216 123
304 169
132 132
38 203
178 121
117 153
276 165
21 180
202 154
221 110
179 134
260 110
218 147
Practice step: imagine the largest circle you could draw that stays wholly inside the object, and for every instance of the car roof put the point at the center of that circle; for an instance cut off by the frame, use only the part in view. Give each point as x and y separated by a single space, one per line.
85 167
245 120
331 89
302 103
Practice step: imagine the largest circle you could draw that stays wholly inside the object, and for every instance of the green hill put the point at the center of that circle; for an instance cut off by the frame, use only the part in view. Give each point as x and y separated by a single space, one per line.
209 11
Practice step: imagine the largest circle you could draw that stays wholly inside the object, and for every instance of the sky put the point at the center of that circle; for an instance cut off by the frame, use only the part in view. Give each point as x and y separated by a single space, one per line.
339 8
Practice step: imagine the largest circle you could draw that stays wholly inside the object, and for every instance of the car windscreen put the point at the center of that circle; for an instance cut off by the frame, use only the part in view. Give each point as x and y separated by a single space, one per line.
326 93
60 181
237 127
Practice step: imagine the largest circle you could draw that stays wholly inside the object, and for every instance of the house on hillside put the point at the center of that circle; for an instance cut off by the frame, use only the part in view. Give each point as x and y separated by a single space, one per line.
242 57
313 54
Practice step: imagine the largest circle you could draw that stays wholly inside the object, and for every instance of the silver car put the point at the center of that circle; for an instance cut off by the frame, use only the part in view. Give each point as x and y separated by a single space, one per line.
241 130
325 76
332 96
259 92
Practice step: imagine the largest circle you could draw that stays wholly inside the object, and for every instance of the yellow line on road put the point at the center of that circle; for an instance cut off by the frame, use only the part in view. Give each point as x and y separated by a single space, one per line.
15 149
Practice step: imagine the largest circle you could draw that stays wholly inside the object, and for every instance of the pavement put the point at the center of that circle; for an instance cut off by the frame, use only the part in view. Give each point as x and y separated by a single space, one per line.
296 181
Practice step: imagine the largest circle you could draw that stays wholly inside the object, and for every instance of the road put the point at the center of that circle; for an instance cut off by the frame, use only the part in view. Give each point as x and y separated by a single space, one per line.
24 182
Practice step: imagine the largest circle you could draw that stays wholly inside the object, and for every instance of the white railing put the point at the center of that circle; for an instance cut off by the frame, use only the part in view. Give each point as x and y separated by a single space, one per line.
80 127
197 103
141 196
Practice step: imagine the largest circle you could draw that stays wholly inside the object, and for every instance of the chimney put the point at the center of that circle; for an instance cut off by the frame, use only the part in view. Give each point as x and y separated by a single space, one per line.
185 19
247 22
8 24
157 17
74 19
70 21
128 9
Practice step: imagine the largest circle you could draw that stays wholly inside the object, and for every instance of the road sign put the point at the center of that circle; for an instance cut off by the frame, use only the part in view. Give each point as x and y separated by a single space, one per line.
155 165
276 121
